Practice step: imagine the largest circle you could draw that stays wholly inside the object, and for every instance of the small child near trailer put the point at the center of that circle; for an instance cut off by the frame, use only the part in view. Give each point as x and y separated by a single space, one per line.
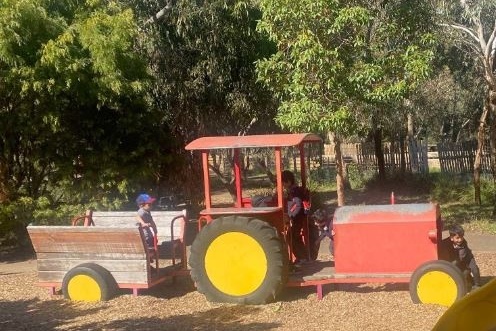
144 202
323 219
456 250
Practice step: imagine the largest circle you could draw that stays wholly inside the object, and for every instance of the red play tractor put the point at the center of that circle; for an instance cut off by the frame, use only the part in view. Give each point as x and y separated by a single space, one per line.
241 255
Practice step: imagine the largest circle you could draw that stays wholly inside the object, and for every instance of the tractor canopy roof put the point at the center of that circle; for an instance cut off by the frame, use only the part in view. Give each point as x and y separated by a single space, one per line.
253 141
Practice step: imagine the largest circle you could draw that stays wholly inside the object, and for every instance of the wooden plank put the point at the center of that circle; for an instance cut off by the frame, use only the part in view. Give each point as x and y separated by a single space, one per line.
120 277
325 271
89 256
110 265
163 220
86 239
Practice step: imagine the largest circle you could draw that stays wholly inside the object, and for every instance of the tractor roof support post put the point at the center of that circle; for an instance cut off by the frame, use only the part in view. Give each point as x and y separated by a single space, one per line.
278 162
237 176
301 147
206 179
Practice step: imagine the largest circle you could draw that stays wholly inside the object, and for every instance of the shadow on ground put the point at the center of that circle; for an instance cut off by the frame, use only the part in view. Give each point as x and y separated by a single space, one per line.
16 254
59 314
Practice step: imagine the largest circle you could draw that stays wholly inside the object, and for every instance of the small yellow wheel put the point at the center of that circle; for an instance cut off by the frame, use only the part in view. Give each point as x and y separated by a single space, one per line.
437 282
88 282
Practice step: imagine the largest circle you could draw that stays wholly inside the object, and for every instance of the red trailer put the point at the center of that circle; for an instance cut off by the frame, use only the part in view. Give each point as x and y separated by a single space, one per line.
386 239
397 243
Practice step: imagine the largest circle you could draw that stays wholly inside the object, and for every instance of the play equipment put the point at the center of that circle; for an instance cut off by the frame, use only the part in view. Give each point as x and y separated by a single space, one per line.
476 311
90 262
241 252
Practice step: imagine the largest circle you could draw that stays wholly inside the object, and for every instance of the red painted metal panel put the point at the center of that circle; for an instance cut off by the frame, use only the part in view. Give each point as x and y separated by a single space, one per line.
238 179
385 238
238 211
278 156
206 180
269 140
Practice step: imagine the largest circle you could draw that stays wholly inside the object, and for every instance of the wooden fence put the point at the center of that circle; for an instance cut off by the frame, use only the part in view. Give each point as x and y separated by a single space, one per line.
459 157
414 155
453 157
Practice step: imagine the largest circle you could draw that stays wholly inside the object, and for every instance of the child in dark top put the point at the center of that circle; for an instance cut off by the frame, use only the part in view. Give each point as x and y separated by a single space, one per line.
323 220
460 254
296 214
144 202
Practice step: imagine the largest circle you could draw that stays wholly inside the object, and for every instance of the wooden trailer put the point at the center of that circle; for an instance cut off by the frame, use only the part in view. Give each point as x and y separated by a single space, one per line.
89 263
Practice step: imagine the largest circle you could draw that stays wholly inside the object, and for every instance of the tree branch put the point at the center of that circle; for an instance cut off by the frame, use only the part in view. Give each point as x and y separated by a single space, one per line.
159 14
464 29
490 47
480 34
248 127
227 183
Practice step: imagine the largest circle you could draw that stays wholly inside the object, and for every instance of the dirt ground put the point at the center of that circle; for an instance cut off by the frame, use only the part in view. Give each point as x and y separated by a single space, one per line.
25 306
178 306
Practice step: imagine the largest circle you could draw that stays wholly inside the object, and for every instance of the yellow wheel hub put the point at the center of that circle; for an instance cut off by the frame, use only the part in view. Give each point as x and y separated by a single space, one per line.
437 287
84 288
235 263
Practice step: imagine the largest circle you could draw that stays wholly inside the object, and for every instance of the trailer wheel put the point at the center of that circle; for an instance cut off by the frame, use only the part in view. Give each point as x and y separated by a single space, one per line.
88 282
238 259
438 282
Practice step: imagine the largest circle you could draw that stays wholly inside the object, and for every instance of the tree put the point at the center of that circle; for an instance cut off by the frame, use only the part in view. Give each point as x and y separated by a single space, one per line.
473 24
72 105
338 62
444 105
202 57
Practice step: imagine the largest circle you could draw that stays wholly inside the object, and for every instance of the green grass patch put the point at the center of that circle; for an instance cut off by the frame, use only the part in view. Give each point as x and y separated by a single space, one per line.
455 194
470 216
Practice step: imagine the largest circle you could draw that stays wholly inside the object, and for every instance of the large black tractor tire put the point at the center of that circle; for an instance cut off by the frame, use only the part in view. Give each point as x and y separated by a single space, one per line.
238 259
88 282
438 282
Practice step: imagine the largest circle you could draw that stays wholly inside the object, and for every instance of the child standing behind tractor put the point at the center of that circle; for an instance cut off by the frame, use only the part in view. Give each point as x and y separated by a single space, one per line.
296 213
323 220
458 252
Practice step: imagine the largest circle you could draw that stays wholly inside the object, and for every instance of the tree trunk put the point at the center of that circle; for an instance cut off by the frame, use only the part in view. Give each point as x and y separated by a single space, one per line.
410 141
492 144
379 154
402 154
263 164
340 178
478 154
227 182
5 189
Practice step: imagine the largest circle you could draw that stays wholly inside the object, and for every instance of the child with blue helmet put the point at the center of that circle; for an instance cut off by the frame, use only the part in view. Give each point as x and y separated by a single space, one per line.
144 202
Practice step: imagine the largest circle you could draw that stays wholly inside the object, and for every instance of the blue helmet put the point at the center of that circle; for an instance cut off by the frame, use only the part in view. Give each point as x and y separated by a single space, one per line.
144 198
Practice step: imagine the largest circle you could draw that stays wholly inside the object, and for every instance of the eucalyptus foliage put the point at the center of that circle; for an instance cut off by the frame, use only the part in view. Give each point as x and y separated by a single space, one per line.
340 60
202 55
